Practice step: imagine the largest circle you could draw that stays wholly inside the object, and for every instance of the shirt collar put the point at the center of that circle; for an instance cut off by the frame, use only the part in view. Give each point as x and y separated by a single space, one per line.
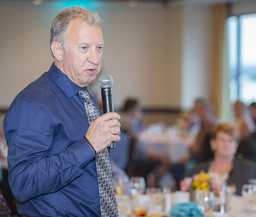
64 83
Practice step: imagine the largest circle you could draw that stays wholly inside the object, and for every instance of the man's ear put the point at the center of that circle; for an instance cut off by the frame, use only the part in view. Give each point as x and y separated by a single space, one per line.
57 50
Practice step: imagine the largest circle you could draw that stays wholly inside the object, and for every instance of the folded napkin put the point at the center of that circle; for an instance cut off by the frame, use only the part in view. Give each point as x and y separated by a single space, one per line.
186 210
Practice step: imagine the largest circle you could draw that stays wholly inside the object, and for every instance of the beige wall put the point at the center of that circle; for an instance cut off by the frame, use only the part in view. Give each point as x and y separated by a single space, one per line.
196 52
159 54
174 45
137 52
136 49
24 47
243 7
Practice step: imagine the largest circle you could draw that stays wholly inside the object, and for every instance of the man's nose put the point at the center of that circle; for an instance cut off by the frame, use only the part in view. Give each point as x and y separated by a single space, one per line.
93 56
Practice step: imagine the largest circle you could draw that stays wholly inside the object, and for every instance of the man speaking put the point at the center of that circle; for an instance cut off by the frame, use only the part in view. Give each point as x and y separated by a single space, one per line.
58 157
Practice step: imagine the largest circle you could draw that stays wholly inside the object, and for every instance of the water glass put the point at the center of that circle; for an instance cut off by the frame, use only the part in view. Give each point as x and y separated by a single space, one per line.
252 181
205 200
249 197
138 185
124 205
157 200
248 190
167 199
141 204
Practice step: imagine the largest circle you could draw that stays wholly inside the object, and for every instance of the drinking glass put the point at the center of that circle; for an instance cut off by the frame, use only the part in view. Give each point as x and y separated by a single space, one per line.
248 190
205 200
141 203
157 201
249 197
252 181
124 205
138 185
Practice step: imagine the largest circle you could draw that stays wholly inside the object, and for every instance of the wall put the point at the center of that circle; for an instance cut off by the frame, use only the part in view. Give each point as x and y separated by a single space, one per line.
24 47
244 7
159 54
136 54
174 45
196 52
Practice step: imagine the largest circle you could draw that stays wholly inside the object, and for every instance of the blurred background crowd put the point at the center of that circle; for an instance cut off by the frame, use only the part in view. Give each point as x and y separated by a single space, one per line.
163 154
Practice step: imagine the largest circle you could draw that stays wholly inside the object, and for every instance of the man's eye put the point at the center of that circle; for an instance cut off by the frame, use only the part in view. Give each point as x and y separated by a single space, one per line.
84 48
100 48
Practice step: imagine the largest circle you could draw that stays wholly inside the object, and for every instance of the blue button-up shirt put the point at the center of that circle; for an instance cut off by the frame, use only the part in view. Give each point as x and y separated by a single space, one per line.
52 169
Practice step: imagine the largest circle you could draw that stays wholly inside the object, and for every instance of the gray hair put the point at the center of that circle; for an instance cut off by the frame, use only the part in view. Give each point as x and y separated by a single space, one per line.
62 20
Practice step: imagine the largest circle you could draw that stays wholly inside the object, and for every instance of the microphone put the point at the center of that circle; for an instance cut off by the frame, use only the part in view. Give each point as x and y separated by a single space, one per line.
106 83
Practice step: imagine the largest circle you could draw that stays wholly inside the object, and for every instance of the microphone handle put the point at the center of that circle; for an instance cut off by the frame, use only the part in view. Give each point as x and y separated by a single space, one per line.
107 105
107 99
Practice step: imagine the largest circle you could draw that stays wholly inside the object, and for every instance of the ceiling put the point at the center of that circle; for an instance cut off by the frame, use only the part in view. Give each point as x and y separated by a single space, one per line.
169 1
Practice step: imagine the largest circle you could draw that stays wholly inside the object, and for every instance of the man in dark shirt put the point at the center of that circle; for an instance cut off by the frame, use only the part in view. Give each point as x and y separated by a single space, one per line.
53 147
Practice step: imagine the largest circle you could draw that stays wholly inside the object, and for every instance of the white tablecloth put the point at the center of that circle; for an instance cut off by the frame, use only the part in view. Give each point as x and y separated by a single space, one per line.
239 206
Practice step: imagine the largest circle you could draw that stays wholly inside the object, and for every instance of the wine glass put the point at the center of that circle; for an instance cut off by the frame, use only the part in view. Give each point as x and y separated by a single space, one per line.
138 185
157 201
249 197
248 190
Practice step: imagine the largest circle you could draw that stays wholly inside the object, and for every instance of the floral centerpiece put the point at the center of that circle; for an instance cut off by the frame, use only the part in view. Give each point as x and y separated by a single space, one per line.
201 188
201 182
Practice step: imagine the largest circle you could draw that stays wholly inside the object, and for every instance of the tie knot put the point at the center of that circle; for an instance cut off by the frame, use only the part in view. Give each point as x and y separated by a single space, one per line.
84 94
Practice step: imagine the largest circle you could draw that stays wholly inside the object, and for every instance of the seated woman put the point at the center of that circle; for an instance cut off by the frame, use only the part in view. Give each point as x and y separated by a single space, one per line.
225 167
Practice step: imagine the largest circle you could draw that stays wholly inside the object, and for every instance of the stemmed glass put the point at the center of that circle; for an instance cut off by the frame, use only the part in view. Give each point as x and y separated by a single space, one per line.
249 196
248 190
138 185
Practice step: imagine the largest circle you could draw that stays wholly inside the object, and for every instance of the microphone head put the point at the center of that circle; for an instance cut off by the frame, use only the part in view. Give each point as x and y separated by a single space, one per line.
106 80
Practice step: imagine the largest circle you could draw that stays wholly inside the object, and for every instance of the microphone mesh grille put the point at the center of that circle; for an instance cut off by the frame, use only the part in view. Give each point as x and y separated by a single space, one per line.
106 81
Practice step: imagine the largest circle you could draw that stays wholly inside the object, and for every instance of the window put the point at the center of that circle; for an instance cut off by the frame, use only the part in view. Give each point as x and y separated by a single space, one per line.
242 57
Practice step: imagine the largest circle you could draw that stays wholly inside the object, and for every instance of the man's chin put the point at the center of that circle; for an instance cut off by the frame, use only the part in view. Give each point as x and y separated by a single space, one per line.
88 81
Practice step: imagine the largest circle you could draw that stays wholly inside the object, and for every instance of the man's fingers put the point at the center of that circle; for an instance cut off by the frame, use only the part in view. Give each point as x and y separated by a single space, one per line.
108 122
104 130
114 123
110 116
115 138
115 131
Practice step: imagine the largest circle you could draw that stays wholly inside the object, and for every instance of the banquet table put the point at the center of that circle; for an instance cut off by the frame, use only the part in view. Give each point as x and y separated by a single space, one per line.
145 206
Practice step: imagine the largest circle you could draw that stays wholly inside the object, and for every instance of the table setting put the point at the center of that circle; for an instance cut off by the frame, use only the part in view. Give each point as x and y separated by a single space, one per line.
156 202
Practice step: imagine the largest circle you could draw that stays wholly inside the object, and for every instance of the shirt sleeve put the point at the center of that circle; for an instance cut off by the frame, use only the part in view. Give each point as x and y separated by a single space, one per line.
32 170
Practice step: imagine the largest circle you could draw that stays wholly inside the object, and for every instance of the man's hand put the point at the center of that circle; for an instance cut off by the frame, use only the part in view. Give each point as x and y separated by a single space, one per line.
104 130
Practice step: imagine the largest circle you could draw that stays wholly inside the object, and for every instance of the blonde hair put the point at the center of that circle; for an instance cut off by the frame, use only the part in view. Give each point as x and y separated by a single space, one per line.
62 20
